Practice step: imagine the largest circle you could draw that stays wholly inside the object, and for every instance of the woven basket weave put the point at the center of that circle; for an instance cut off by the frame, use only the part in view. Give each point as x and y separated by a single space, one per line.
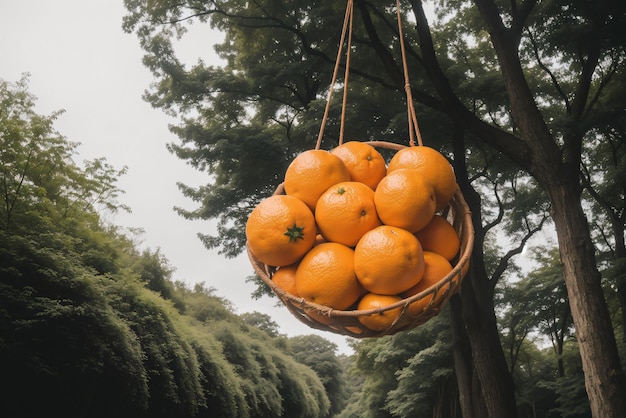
346 322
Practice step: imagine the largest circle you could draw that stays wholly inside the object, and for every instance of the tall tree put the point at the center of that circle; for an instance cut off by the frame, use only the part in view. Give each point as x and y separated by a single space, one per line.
594 54
292 110
520 77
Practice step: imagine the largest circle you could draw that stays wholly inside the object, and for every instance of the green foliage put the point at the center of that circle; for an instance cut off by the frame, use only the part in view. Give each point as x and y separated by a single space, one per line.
604 177
537 334
45 195
91 326
264 105
302 392
354 384
154 271
244 122
408 374
61 341
261 321
269 376
546 310
319 354
259 375
421 381
170 362
533 376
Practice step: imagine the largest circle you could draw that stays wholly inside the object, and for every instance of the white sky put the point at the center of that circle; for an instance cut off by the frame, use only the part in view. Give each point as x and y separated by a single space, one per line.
80 60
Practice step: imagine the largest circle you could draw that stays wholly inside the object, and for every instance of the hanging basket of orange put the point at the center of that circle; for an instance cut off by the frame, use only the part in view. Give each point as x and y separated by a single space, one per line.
359 246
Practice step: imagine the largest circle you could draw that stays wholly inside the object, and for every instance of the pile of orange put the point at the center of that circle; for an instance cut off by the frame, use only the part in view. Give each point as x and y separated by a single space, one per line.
352 232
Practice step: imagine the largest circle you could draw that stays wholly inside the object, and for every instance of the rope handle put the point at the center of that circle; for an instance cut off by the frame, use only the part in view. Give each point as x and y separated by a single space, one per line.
347 29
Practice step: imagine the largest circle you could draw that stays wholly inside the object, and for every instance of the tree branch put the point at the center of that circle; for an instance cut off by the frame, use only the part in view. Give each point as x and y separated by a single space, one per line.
542 151
545 68
504 261
499 139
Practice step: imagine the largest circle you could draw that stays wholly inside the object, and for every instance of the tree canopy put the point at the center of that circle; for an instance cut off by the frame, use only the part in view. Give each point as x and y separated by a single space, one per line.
528 85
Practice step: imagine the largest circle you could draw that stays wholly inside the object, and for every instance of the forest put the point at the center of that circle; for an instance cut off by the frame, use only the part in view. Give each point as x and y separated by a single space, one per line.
526 99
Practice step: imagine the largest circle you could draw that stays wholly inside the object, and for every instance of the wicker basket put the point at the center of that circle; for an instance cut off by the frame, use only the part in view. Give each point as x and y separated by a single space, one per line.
346 322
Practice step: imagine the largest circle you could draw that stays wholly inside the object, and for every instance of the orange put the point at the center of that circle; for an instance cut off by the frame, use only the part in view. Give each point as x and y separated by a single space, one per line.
354 330
439 236
280 230
404 199
388 260
437 267
285 278
345 212
379 321
319 317
311 173
319 239
326 276
434 167
364 163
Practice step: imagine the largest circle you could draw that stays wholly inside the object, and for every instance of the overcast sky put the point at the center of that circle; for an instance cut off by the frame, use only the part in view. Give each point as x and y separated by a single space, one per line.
80 60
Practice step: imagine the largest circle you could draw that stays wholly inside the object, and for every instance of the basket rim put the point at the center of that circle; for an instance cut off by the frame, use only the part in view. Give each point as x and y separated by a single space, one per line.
462 216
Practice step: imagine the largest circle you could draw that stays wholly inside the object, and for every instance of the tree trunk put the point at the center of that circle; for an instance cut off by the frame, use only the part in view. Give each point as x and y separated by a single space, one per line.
604 377
617 224
621 294
462 353
488 358
487 387
559 359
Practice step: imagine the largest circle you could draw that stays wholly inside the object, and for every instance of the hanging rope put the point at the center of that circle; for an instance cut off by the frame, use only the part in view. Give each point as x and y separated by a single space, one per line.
413 126
346 75
347 29
347 23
